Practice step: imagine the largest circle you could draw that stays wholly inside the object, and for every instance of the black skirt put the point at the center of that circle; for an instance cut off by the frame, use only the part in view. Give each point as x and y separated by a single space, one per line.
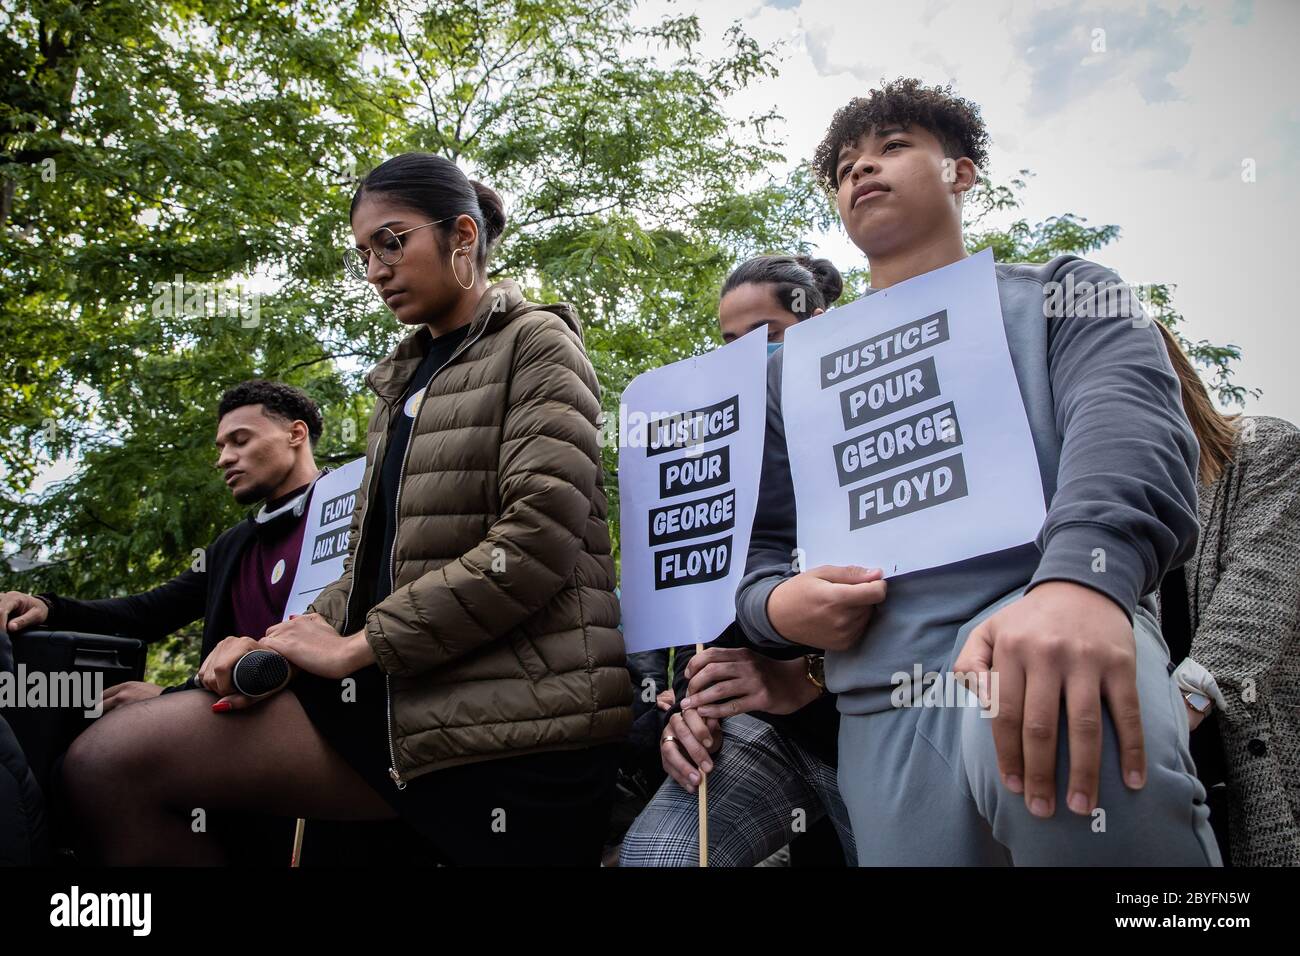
542 809
353 720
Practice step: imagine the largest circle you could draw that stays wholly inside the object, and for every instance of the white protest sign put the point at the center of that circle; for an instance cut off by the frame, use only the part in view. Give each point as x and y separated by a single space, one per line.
325 540
909 446
690 453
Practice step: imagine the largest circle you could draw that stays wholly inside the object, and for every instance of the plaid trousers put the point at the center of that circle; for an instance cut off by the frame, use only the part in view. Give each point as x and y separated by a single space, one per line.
760 780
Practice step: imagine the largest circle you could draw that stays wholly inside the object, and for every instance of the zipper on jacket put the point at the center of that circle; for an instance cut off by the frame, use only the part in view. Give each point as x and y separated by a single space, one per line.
392 554
347 607
347 604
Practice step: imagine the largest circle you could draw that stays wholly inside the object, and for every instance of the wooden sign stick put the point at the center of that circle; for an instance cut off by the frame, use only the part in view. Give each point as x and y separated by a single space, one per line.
704 802
297 842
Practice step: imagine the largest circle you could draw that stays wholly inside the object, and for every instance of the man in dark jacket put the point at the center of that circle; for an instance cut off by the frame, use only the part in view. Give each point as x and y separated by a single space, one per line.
265 435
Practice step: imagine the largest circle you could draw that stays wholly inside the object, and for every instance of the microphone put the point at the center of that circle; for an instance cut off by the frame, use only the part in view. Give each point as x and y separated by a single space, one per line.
260 673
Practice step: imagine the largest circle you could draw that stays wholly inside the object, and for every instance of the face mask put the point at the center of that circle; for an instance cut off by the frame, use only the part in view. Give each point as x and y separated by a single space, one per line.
772 347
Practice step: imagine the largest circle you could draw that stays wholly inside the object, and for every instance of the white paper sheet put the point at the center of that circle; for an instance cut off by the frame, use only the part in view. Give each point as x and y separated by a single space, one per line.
325 542
909 446
690 454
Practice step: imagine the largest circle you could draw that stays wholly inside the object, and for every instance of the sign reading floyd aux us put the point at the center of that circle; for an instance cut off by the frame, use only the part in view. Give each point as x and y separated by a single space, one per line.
909 446
325 540
690 453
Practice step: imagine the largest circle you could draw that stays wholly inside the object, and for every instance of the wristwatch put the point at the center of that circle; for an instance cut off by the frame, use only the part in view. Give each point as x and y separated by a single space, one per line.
816 670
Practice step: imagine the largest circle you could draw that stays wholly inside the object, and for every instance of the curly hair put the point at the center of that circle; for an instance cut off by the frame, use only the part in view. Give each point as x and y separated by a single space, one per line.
954 121
278 399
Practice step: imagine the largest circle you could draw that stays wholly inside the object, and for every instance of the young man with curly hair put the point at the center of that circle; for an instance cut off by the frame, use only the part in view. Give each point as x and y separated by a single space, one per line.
1086 760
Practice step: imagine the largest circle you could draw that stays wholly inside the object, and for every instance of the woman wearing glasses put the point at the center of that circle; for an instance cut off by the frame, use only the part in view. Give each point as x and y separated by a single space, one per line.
466 673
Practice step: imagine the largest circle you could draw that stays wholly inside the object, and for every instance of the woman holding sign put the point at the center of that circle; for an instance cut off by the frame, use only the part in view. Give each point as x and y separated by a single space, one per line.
763 728
466 672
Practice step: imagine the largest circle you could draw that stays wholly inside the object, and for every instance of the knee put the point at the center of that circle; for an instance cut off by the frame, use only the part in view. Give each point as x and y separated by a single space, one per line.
659 850
1162 823
652 840
105 760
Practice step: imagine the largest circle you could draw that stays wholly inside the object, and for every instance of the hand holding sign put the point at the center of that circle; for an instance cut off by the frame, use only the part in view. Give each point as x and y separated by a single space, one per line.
726 681
686 745
828 607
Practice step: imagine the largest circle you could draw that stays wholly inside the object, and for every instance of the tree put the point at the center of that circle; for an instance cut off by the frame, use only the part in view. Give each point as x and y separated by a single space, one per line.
215 142
174 183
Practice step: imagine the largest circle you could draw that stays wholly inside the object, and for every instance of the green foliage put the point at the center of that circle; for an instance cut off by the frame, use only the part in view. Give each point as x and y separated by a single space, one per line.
1215 360
221 141
138 143
216 145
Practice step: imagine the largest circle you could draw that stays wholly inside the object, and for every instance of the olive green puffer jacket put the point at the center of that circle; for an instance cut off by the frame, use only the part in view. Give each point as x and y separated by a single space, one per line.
501 634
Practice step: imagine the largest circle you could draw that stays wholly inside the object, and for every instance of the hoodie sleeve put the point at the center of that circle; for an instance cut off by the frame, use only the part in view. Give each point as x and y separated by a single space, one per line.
1124 511
148 616
772 544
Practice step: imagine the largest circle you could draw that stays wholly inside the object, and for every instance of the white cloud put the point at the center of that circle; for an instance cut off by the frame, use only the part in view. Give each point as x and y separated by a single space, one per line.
1150 134
1079 50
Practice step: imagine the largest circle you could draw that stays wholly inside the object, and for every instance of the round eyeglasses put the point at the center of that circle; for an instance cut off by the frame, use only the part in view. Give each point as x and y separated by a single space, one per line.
385 244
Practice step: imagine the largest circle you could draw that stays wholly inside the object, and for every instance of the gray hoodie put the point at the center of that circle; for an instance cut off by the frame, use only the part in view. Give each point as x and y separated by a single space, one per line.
1117 459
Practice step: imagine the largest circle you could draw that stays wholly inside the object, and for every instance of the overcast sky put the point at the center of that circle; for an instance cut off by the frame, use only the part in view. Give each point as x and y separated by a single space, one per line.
1150 134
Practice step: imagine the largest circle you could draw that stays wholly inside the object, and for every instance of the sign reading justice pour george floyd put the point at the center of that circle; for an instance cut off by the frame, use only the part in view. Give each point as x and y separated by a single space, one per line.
909 446
688 465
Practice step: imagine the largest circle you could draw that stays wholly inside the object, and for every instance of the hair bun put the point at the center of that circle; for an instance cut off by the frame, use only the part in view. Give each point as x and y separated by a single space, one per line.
829 281
493 209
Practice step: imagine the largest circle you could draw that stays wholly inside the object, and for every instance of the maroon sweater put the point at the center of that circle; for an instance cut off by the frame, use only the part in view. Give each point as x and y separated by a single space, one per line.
262 581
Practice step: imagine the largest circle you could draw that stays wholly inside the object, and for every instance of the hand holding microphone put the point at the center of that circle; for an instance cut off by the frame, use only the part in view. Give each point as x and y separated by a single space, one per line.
310 643
304 641
260 674
242 672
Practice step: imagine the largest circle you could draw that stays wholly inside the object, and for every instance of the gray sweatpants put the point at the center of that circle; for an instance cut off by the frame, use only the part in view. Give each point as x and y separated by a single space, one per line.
922 788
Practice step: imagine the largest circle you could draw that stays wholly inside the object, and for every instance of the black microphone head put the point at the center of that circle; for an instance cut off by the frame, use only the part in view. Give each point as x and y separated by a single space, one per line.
259 673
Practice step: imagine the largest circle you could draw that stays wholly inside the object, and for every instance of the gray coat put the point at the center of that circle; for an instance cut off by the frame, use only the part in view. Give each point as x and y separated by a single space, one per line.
1243 587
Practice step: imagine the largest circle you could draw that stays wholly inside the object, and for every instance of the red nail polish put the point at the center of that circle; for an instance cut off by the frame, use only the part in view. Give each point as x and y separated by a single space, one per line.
221 706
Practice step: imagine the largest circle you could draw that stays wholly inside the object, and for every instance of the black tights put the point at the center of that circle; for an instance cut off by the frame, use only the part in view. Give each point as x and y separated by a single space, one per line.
137 776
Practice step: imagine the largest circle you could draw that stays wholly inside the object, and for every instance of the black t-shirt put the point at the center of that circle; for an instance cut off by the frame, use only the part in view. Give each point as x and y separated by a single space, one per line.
399 434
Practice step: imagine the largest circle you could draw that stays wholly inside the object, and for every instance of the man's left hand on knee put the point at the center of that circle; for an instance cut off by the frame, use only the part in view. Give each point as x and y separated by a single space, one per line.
1059 640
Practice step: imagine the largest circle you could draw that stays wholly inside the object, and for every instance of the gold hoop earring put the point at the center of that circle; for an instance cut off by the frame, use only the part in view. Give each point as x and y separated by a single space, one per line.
473 275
